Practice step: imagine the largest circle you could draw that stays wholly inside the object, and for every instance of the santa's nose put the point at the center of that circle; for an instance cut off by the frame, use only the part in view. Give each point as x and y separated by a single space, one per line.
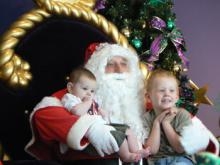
118 68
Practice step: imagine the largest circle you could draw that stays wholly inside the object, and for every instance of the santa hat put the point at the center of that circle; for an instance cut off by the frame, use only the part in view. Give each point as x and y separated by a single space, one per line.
103 52
90 50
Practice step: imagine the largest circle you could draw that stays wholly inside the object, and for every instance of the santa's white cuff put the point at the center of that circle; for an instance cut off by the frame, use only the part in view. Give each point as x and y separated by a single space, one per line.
78 131
196 137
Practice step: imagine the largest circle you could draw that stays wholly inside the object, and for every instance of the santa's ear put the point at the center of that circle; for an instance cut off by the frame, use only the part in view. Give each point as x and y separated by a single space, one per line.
69 87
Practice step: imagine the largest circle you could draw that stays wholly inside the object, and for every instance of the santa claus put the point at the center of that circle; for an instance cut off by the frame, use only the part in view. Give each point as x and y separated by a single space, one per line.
120 85
52 126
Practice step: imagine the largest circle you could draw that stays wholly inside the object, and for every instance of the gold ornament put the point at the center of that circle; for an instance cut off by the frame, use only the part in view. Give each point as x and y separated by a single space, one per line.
4 156
126 32
49 4
200 94
144 25
144 70
177 68
13 69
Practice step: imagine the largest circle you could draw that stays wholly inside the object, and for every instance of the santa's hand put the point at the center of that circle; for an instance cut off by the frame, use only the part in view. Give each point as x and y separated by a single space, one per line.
100 137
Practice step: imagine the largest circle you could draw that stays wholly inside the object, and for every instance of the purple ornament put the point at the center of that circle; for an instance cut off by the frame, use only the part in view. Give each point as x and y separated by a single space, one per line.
160 42
158 23
100 4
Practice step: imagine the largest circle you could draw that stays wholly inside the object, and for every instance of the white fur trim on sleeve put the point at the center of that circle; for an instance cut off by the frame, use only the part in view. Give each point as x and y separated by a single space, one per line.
47 102
78 131
194 137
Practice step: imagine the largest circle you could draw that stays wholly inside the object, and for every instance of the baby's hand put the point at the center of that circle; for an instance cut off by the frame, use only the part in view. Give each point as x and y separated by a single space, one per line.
81 108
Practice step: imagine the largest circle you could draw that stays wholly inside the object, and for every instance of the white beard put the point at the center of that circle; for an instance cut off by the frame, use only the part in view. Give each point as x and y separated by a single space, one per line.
121 95
122 99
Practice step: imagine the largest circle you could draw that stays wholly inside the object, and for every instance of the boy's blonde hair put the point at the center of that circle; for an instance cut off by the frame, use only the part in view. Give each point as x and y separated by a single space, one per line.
159 73
78 72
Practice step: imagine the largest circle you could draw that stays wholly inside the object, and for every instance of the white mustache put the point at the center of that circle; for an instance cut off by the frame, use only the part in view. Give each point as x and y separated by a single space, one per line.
117 76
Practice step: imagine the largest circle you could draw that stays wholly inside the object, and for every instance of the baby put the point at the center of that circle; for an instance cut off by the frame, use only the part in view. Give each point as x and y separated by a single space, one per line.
80 101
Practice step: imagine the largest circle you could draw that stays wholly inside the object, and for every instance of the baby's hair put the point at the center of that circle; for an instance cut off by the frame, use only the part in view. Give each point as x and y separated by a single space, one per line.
159 73
78 72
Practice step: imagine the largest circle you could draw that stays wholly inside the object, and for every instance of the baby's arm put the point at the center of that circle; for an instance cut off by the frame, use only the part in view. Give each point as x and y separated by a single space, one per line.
75 105
81 108
172 136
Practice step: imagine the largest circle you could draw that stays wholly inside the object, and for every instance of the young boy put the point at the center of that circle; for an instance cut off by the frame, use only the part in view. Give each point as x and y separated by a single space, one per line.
165 122
79 101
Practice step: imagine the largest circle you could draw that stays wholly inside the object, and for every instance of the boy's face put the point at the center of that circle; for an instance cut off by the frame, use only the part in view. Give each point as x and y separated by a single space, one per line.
164 93
84 88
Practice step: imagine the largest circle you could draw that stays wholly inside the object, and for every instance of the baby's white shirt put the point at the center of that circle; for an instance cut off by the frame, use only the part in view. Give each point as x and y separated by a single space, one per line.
70 100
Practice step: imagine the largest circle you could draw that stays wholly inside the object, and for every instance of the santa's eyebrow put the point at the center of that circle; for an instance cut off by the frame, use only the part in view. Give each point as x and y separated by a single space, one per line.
124 59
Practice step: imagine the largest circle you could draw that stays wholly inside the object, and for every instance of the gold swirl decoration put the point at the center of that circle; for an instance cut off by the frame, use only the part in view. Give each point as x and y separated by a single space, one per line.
49 4
13 69
82 12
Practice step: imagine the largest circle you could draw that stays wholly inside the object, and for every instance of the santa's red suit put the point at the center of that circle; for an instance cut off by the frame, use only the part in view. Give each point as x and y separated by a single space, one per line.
52 125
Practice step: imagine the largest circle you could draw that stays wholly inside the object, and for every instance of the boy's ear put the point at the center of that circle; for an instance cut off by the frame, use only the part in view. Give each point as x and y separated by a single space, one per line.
69 87
178 93
177 97
147 96
149 105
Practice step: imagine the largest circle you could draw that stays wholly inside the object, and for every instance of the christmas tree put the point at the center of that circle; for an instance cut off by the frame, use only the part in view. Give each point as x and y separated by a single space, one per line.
150 27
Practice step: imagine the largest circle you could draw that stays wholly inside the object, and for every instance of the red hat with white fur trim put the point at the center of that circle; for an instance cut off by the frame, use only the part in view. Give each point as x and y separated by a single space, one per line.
103 52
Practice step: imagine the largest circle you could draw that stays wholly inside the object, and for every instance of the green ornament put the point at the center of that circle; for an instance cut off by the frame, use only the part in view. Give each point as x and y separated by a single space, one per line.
156 3
170 24
179 103
206 158
136 43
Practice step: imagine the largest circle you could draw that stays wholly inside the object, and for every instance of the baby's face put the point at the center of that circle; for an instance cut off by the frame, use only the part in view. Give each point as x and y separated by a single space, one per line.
84 88
164 93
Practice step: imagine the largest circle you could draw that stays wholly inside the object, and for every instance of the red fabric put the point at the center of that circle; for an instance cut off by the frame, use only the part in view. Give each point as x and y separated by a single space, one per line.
89 51
149 106
1 162
211 147
51 126
45 122
59 94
